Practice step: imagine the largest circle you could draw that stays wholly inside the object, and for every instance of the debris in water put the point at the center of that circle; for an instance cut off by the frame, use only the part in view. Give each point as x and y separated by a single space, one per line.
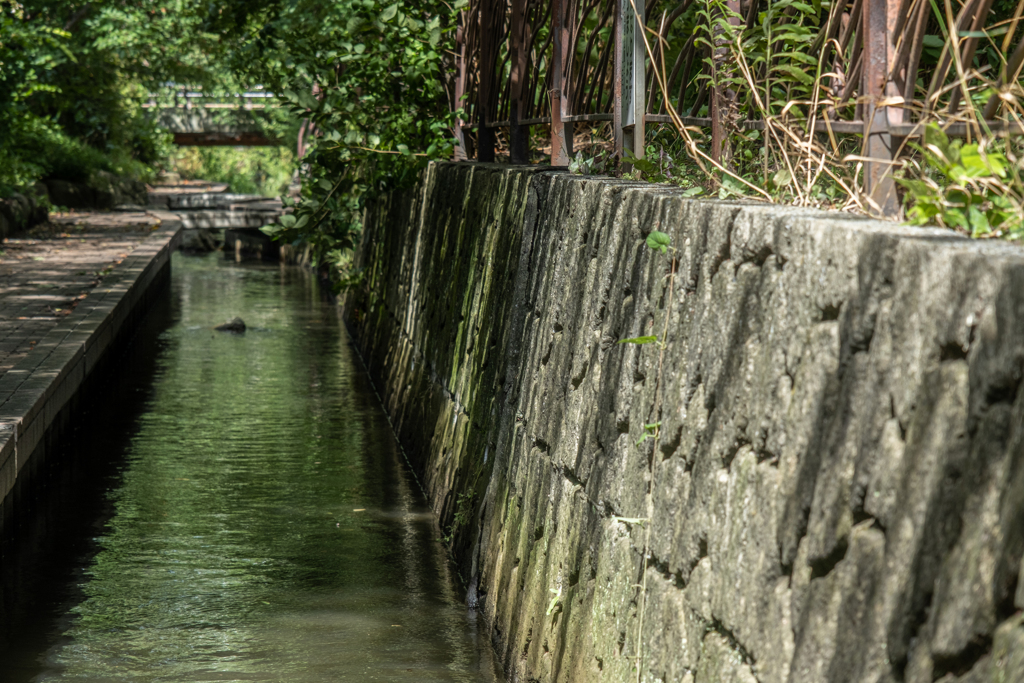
233 325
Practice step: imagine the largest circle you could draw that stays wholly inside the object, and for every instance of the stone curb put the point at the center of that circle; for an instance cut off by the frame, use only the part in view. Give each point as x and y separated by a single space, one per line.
40 385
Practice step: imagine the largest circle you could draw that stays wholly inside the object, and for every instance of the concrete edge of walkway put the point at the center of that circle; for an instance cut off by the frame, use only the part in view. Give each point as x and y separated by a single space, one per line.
35 391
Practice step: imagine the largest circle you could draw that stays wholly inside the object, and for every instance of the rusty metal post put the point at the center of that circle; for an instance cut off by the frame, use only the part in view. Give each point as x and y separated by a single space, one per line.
519 142
631 74
561 133
723 99
460 87
487 93
878 143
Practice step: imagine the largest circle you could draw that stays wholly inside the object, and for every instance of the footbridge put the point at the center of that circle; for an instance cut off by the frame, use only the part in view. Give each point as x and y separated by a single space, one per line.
198 118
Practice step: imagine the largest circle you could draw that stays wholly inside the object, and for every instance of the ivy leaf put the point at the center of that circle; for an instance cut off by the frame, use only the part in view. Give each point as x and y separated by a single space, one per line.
658 241
389 13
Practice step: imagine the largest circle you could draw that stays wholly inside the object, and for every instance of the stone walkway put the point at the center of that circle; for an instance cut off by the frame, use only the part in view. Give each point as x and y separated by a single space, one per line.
68 290
47 272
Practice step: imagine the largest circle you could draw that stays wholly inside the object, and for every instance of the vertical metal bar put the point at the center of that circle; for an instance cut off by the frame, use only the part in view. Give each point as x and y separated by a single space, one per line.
723 97
561 133
939 74
878 143
486 91
518 135
631 62
460 87
969 47
915 35
639 96
617 89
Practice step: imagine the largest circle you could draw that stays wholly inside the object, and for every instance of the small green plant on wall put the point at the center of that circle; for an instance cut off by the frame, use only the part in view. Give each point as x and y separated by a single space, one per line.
463 510
661 243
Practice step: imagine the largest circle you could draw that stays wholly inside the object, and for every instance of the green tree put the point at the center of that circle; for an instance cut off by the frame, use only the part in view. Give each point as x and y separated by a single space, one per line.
74 76
371 79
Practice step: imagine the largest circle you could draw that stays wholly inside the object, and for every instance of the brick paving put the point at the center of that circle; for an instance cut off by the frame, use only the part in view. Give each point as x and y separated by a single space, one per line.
47 272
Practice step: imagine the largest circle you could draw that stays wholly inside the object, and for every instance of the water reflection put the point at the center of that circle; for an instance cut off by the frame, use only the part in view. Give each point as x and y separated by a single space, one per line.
260 525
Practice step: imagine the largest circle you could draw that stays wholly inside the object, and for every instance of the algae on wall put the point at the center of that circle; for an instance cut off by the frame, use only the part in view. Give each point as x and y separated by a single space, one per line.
814 475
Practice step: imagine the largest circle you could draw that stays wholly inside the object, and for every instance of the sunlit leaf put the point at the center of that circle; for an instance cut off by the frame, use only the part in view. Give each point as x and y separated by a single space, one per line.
658 241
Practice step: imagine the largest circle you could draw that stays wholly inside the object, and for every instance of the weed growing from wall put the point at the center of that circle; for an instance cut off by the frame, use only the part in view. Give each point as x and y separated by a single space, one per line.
461 518
660 243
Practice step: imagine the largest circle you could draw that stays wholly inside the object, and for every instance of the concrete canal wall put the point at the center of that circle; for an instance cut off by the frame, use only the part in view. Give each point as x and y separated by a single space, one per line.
38 393
821 457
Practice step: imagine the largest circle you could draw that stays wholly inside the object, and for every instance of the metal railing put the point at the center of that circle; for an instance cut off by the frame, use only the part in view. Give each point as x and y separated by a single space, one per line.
521 63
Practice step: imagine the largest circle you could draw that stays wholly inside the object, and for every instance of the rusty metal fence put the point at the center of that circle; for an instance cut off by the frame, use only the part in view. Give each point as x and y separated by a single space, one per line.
558 63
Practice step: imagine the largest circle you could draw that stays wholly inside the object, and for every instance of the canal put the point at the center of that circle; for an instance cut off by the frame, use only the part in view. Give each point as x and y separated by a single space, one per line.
234 508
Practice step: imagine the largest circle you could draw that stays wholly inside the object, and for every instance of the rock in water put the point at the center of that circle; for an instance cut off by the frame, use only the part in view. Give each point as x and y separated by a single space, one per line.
234 325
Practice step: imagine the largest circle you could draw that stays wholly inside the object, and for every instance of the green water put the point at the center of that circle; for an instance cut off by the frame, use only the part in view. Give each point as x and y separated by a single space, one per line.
257 522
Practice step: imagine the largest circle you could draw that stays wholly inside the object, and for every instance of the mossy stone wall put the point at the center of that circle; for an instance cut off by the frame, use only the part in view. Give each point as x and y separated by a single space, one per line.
834 490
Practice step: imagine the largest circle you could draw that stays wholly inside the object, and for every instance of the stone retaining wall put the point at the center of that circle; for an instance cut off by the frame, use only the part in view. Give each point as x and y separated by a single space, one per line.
835 488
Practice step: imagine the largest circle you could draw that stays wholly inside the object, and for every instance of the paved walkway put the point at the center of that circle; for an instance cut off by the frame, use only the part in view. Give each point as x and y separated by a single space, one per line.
45 274
68 290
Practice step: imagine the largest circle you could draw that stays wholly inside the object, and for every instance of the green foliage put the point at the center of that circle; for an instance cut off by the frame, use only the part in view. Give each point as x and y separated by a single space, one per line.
247 170
651 431
584 164
370 77
463 513
780 61
665 162
638 340
659 241
74 75
977 190
556 601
